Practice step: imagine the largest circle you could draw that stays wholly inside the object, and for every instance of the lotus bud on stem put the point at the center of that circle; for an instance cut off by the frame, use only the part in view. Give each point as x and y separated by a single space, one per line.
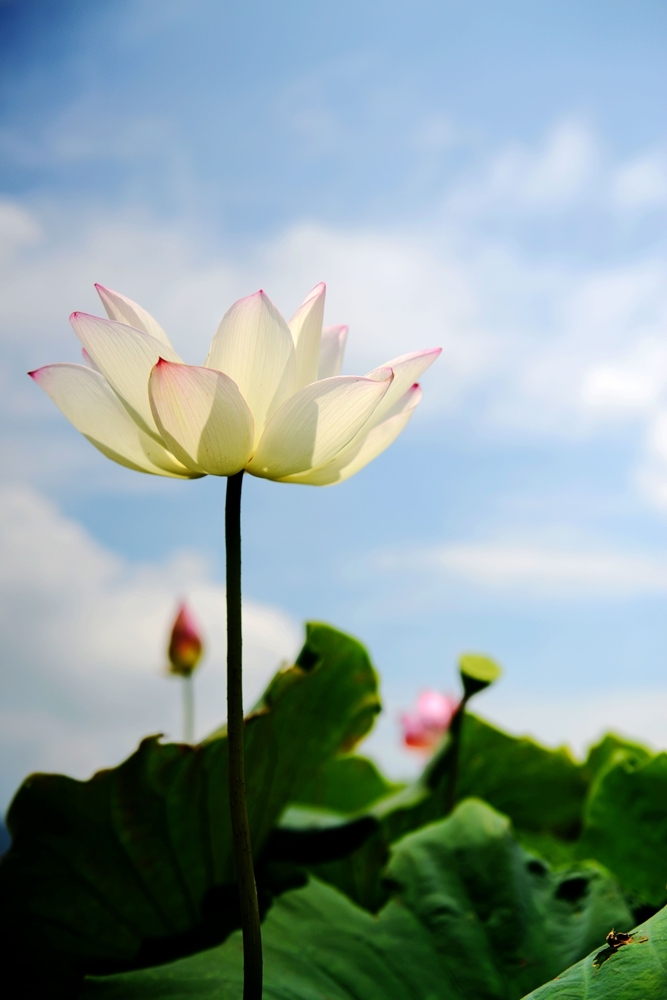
477 673
437 724
185 651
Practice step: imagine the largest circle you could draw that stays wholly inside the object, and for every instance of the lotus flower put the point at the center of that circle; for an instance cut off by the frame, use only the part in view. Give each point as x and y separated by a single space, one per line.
424 728
185 645
269 398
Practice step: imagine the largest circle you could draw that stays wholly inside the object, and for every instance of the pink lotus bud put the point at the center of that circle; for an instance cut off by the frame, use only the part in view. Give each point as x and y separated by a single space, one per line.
424 728
185 645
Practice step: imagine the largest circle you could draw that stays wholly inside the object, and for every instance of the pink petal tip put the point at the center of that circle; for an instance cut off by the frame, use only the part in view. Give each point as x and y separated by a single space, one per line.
78 314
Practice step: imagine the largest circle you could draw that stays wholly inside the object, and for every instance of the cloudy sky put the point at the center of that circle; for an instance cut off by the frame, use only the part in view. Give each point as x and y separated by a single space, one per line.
490 178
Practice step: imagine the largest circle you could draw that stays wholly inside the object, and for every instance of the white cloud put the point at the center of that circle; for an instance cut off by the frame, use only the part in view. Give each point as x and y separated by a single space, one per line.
534 346
81 136
638 714
396 293
532 571
436 133
651 471
18 229
533 336
83 641
641 183
509 567
634 386
555 175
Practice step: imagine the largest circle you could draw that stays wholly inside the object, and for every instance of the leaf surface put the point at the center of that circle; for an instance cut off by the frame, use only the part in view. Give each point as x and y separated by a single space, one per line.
636 971
626 822
471 917
136 865
346 784
541 790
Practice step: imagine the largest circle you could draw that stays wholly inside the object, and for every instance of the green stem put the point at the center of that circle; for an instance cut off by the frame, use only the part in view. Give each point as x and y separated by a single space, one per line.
252 936
188 709
455 748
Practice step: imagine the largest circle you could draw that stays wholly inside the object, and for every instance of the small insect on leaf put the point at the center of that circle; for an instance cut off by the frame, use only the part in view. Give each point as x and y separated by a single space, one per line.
615 940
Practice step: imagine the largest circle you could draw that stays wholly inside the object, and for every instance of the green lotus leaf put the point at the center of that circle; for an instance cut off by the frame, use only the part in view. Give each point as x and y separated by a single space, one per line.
135 866
625 822
471 916
635 970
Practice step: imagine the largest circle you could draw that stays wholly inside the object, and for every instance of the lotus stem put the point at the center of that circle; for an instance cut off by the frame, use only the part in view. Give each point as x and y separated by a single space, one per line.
455 727
252 935
188 709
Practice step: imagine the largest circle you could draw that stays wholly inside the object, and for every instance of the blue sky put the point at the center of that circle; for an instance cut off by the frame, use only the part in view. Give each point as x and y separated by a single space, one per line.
491 178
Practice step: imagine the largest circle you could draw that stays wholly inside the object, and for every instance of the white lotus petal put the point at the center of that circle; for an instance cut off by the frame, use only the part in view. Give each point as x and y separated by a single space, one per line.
124 310
202 417
364 448
407 370
377 441
87 360
317 422
91 405
332 348
254 346
125 357
306 328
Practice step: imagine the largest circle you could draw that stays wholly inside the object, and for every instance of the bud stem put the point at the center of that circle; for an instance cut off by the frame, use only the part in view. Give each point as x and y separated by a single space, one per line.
188 709
455 727
252 937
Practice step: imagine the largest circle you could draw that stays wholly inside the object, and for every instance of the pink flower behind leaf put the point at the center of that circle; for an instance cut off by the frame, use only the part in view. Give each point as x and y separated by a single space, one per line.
185 644
427 724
